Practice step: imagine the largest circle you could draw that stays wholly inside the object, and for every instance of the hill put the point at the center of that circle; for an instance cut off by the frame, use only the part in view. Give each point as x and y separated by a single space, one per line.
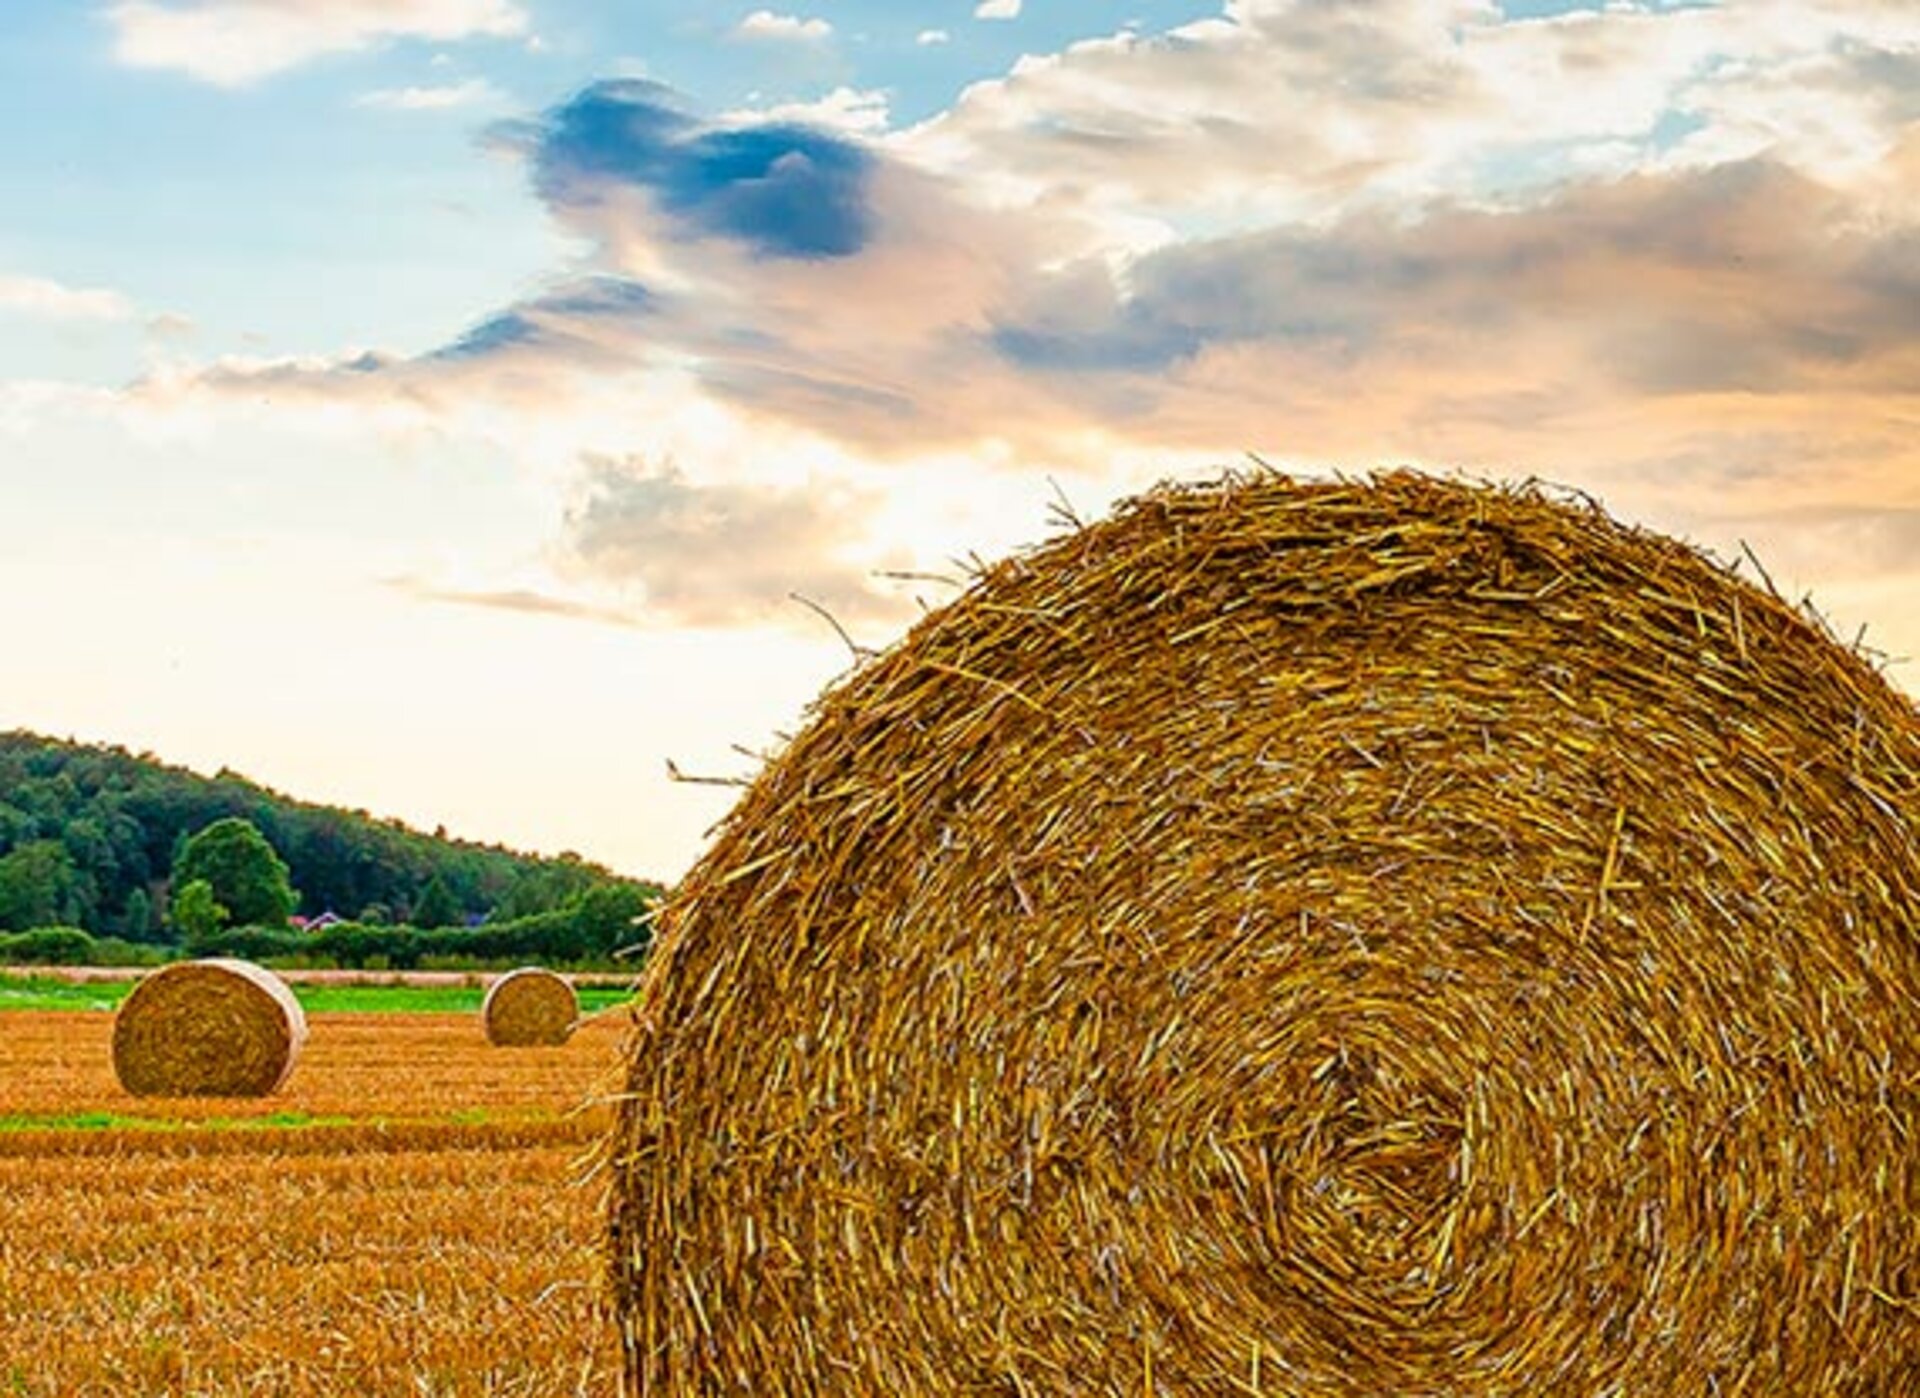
89 833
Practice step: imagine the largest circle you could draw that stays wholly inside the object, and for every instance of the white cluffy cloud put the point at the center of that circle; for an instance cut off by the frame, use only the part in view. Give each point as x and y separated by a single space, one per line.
997 9
765 24
932 36
232 42
847 109
37 296
1257 115
470 93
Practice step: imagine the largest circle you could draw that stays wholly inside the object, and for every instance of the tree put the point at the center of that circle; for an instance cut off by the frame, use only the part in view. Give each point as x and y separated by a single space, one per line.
38 886
245 875
197 914
435 906
541 888
136 921
610 917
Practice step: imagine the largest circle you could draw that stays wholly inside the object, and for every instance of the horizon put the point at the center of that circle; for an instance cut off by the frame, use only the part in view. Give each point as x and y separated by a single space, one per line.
465 411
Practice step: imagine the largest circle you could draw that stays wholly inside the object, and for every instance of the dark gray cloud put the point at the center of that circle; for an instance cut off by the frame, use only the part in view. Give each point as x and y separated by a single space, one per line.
782 189
1746 277
559 323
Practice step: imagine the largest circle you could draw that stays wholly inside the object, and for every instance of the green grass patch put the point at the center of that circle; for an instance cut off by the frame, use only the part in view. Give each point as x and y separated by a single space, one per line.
45 993
116 1121
429 999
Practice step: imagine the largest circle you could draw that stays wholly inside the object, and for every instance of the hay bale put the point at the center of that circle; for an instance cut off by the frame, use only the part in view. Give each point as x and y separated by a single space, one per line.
1336 939
530 1006
212 1028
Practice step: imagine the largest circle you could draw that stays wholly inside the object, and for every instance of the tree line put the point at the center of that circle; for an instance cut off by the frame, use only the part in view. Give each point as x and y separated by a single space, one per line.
118 845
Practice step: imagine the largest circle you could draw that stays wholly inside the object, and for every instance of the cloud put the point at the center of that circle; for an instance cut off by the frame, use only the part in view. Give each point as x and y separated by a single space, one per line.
1664 301
234 42
39 296
562 323
765 24
720 555
778 189
932 36
473 92
526 601
1281 110
169 327
850 110
997 9
1742 278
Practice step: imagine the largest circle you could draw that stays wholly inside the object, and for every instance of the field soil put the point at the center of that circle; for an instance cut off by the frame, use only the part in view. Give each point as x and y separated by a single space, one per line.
415 1212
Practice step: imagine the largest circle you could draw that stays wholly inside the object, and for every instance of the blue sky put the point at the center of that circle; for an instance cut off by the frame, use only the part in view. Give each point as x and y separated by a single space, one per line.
353 353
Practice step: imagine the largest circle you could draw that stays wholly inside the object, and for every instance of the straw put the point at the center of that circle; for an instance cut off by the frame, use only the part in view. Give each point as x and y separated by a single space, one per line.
212 1028
1382 937
529 1007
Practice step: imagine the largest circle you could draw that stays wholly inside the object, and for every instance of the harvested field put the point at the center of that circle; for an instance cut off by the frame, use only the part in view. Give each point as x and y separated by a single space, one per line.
407 1216
361 1066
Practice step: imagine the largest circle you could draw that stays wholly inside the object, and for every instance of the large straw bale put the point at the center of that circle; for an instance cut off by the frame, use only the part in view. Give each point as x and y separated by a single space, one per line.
1395 937
212 1028
530 1006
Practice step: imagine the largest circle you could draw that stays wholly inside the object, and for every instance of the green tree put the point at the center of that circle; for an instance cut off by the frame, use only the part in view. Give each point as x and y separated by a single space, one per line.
136 920
435 906
541 888
38 886
610 917
245 875
197 914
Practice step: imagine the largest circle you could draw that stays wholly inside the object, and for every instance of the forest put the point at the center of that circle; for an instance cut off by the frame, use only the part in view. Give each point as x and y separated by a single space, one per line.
91 837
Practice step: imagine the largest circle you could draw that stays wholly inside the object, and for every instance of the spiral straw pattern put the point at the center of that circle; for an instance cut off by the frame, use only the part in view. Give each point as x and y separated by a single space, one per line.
213 1028
1387 937
529 1007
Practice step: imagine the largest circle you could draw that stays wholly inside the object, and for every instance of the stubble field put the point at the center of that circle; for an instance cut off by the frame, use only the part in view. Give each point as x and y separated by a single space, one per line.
413 1213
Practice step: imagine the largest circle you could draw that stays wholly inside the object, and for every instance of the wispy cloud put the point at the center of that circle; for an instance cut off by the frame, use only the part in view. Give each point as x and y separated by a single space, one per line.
40 296
997 9
471 93
932 36
524 600
766 24
233 42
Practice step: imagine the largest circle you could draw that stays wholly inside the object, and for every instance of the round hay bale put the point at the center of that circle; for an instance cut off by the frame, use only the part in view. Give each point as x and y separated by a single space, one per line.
530 1006
1311 939
212 1028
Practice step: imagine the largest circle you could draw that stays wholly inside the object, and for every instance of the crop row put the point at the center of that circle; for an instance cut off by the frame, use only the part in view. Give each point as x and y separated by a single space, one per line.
415 1213
429 1272
360 1066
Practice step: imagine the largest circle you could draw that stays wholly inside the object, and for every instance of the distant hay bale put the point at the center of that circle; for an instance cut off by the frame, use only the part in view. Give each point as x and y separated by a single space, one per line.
1394 937
530 1006
213 1028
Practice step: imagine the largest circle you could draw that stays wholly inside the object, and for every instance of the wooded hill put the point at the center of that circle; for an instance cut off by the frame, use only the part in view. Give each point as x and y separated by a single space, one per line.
89 834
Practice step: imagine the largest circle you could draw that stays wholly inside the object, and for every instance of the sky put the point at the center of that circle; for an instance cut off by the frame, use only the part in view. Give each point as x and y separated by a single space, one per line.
475 411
